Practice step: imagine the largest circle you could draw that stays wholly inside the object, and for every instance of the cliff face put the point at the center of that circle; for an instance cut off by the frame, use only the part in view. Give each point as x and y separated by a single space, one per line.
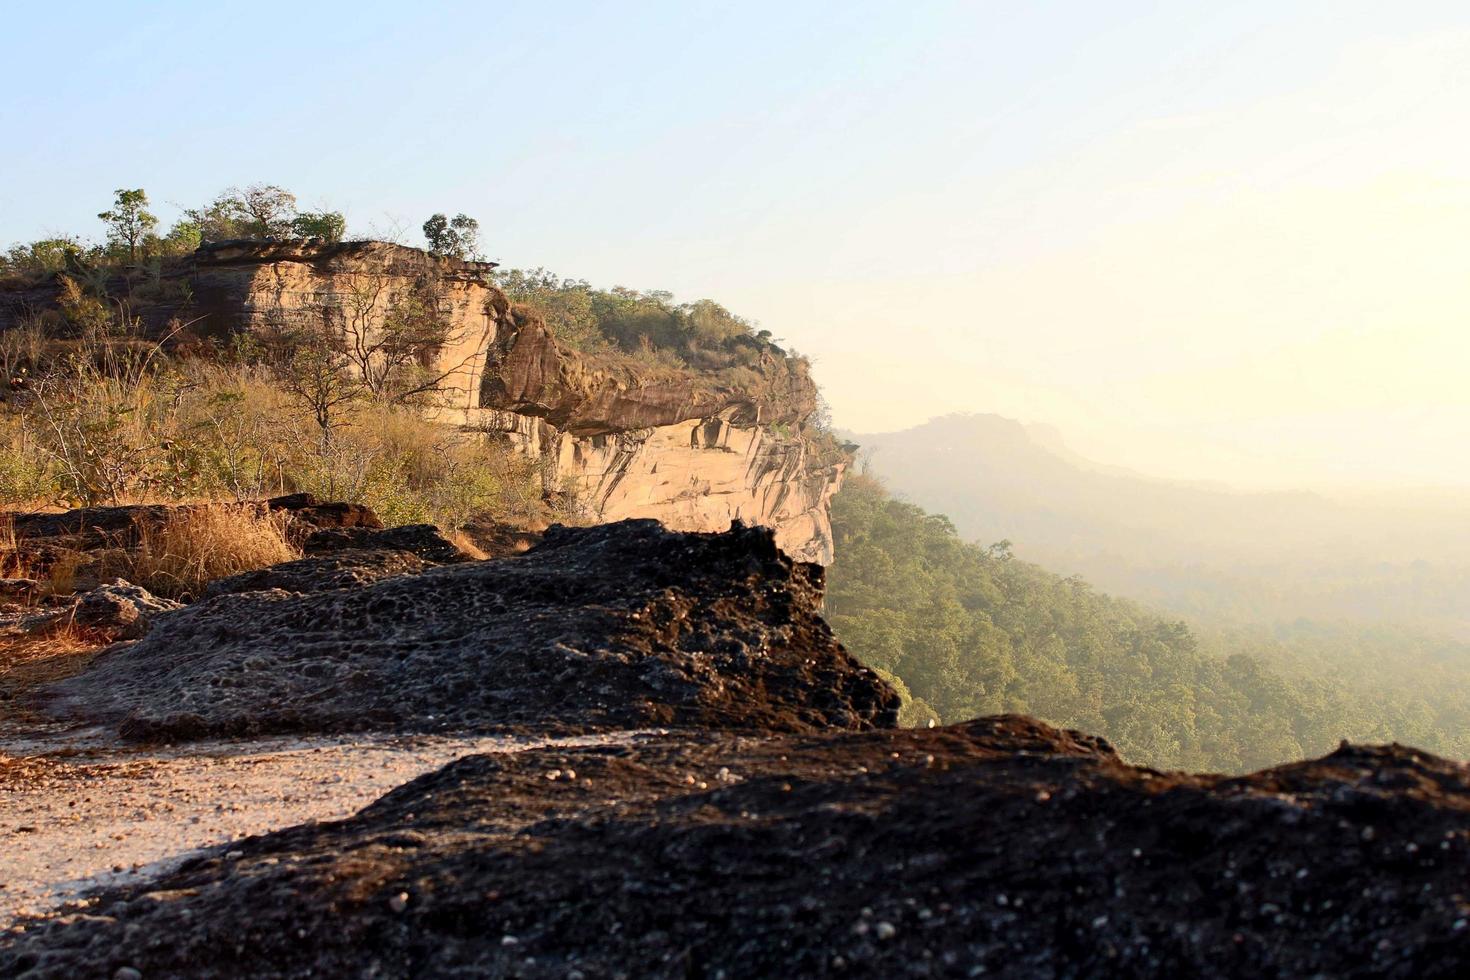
693 450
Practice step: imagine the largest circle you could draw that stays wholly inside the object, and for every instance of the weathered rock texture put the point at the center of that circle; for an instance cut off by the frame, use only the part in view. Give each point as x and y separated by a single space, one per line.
691 449
118 609
1000 848
623 625
340 558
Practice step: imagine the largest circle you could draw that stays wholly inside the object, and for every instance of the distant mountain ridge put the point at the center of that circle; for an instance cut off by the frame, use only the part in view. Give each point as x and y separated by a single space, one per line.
1190 548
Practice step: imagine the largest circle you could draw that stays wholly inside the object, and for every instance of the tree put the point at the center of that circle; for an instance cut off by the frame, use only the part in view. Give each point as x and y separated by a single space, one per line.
46 254
317 373
184 237
390 337
457 237
259 211
267 210
565 305
329 226
129 221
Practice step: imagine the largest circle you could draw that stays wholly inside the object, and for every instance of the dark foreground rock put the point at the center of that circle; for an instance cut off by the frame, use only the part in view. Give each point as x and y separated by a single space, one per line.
348 557
616 626
1001 847
117 610
423 540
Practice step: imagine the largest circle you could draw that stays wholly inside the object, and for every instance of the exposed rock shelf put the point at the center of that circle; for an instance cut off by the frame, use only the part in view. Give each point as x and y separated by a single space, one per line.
623 625
1001 847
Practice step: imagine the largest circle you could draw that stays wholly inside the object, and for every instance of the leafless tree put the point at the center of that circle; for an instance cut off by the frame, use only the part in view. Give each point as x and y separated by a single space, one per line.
315 370
391 338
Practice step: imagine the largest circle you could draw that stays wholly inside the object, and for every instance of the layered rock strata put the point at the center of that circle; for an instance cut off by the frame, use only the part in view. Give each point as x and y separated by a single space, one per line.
693 451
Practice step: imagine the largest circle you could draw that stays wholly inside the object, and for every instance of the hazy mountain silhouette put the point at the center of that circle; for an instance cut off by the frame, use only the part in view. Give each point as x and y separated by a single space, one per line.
1192 548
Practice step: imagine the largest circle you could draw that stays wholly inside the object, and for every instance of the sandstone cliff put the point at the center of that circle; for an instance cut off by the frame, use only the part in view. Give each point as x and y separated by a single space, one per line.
691 449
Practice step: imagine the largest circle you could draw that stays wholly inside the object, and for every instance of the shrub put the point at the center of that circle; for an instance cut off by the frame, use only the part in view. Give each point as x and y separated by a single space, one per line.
177 557
24 476
411 470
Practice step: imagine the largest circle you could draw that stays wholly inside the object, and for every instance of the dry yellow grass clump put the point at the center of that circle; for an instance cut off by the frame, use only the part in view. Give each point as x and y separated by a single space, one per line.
196 545
13 562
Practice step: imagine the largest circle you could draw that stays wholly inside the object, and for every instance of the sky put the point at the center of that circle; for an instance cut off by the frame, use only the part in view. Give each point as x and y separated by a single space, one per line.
1211 241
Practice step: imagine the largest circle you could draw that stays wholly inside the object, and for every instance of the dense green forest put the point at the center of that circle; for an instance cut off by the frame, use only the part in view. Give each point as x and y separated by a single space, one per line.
972 630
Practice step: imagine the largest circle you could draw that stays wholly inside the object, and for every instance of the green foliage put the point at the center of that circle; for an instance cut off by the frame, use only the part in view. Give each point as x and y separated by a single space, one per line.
565 305
129 222
912 711
217 221
260 211
972 631
329 226
457 237
184 237
45 255
648 326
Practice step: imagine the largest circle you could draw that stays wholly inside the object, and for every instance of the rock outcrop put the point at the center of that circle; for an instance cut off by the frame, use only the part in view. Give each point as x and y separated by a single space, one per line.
694 450
345 557
623 625
1001 847
117 609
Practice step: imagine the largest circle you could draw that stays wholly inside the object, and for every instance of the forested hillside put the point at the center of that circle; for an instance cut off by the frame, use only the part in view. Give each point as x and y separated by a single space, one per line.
973 631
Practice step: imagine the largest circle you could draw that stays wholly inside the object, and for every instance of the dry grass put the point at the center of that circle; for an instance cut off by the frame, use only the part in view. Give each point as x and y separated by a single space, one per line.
196 545
13 561
465 543
61 577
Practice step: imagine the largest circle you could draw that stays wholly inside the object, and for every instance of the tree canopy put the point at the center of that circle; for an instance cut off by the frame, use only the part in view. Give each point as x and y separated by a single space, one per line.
973 631
259 211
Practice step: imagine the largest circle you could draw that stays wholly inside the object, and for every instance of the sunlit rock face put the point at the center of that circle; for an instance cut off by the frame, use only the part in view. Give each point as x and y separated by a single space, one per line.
699 474
692 449
261 287
689 450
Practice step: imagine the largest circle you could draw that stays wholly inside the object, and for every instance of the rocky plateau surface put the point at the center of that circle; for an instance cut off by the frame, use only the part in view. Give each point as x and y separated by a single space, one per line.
641 753
1000 847
621 625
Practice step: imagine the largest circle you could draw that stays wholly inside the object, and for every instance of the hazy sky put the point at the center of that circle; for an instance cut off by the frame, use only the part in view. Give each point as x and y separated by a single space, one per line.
1215 240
